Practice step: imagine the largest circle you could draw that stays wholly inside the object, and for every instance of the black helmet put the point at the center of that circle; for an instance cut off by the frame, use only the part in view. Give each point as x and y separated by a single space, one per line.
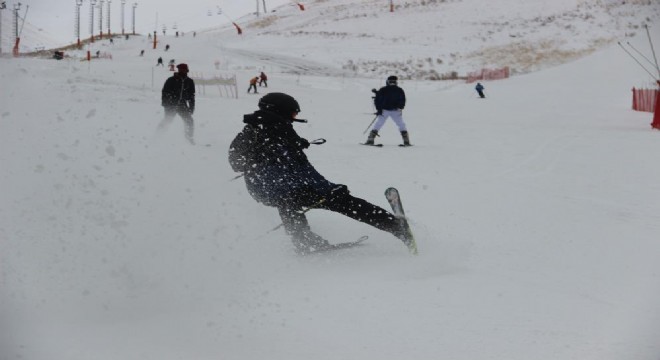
392 80
279 103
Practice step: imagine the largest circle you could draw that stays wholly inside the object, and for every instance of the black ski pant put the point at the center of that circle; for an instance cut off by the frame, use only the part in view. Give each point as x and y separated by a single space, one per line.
295 222
186 115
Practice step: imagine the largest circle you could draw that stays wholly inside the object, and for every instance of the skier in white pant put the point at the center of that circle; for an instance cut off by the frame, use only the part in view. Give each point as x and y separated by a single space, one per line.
389 101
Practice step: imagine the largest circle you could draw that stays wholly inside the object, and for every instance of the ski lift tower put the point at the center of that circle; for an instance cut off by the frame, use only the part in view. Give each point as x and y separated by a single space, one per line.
107 19
134 6
16 31
101 18
3 5
123 4
78 5
92 3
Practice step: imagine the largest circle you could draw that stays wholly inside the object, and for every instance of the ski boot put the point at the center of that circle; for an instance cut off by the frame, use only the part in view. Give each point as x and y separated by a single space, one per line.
372 137
306 242
406 138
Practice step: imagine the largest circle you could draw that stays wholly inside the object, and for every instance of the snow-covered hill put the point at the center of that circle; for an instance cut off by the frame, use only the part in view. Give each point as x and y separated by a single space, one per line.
429 39
535 210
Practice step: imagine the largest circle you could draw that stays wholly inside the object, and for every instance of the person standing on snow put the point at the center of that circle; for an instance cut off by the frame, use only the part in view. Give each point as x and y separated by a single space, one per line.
263 79
253 84
277 173
480 90
178 97
389 101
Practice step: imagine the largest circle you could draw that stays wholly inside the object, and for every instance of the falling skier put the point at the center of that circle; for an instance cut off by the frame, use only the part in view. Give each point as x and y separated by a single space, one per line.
389 101
277 173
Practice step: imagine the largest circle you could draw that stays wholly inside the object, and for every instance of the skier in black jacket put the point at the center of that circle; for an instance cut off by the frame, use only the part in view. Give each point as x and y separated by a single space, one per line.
277 173
178 97
390 101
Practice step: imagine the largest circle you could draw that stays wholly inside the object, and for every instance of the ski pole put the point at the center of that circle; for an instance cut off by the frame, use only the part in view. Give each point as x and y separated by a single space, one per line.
236 177
368 127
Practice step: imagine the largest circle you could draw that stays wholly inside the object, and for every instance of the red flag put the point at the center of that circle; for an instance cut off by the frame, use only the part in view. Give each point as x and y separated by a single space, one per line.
238 28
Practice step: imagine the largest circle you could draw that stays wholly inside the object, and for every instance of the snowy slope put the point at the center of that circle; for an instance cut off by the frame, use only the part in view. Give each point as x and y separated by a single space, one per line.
425 39
535 211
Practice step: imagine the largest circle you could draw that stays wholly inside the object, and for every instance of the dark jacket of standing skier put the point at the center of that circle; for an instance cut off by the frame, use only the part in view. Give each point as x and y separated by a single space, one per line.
277 173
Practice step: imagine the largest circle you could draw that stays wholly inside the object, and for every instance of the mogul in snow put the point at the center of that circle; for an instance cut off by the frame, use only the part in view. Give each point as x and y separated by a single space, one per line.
389 101
277 173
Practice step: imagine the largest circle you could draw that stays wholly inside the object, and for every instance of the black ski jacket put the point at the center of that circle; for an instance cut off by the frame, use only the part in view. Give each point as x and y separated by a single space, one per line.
179 91
269 153
390 97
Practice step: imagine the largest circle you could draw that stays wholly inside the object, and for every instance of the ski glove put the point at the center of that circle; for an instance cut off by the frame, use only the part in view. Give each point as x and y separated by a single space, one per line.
379 112
303 143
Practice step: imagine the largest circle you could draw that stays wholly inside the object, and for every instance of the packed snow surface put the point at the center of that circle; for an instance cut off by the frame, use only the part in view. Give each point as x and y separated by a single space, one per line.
535 209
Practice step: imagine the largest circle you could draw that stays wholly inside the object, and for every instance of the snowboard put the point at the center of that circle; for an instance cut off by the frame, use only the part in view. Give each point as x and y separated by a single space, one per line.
339 246
392 196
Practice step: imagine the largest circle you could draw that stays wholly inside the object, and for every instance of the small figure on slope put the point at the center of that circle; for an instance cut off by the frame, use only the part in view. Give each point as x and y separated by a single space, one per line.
253 84
263 79
389 101
480 90
277 173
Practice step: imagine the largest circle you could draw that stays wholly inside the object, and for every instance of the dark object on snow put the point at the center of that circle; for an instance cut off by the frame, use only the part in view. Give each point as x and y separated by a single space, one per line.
58 55
390 100
277 173
178 97
480 90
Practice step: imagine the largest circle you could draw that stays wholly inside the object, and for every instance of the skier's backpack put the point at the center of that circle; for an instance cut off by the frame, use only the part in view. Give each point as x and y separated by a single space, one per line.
239 148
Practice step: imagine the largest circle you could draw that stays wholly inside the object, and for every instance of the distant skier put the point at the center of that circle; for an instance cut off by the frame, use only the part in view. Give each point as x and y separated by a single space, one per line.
389 101
480 90
178 97
160 62
167 47
277 173
253 84
263 79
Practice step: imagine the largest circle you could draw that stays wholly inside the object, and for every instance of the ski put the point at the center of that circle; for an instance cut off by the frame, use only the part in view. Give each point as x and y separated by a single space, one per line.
404 145
376 145
339 246
392 196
